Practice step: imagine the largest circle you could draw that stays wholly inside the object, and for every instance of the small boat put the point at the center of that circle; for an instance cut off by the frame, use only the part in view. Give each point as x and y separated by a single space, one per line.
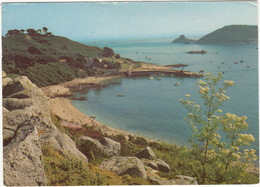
120 95
151 78
177 84
158 78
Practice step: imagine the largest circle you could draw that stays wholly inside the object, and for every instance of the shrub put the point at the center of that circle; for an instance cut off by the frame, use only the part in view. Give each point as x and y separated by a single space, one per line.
217 139
34 50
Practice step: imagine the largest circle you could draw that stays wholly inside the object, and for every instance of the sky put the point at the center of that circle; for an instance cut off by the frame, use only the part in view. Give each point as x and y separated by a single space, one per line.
97 21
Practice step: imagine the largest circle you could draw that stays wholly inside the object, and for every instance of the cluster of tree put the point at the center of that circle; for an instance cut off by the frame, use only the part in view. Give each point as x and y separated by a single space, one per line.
30 32
51 73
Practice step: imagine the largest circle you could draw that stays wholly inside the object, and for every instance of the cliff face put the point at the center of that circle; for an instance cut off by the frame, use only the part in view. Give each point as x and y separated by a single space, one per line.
231 34
27 127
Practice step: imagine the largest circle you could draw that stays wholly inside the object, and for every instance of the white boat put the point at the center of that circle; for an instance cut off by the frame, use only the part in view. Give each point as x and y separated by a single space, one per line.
177 84
151 78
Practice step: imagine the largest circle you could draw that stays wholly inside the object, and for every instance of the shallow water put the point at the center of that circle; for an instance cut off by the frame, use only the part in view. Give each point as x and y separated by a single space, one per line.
151 107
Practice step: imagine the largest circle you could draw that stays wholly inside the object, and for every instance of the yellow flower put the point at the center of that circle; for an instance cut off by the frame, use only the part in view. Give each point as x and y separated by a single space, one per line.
229 83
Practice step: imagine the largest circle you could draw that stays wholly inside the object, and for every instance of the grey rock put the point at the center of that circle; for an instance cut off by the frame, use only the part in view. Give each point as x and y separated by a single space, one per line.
18 84
6 81
163 166
153 165
105 146
125 165
146 153
157 164
110 147
152 176
185 180
62 143
22 164
3 74
27 126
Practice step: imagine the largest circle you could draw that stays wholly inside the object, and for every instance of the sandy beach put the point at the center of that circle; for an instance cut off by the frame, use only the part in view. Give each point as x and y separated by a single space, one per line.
63 108
70 115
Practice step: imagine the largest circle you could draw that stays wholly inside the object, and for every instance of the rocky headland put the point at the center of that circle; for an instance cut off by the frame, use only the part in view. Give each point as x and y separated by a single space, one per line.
225 35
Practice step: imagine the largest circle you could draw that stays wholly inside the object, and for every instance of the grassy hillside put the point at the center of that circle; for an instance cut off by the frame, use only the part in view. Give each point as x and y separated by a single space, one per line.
232 34
31 53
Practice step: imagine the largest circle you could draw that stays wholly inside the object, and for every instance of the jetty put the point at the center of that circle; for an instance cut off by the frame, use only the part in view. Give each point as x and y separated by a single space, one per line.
160 72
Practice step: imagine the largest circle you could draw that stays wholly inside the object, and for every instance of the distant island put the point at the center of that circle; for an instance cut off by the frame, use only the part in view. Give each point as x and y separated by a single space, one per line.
226 35
183 39
197 52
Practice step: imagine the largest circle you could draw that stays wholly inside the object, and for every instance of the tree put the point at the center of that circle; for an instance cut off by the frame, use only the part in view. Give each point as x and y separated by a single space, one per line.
45 30
13 32
217 139
32 32
22 31
108 52
39 31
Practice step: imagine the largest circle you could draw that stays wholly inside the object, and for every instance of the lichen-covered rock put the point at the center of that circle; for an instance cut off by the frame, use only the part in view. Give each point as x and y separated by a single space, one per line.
62 143
146 153
27 127
22 159
105 146
157 164
185 180
163 166
110 147
154 178
18 84
6 81
3 74
125 165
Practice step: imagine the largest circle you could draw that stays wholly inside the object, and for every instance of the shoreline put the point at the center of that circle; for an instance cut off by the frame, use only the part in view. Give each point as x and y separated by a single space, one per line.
72 117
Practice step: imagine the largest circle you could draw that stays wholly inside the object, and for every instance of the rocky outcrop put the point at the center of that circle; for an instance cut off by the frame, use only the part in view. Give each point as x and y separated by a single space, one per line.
184 40
105 146
27 127
162 166
149 159
154 178
185 180
125 165
157 164
146 153
22 158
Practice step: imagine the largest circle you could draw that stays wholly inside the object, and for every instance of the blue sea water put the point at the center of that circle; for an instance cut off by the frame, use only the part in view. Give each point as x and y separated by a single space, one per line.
151 108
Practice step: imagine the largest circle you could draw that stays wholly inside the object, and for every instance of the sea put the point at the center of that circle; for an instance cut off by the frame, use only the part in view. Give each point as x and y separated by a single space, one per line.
151 107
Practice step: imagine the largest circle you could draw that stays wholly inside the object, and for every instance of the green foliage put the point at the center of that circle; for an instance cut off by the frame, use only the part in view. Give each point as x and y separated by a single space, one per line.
64 171
128 180
108 52
21 50
13 76
217 140
51 73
